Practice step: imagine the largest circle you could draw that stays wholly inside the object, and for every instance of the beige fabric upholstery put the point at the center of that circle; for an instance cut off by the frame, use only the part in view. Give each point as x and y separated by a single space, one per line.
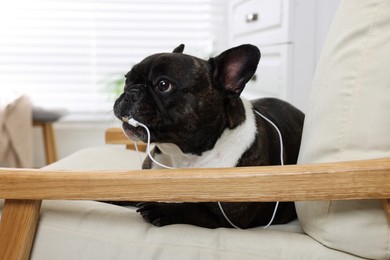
91 230
101 158
348 118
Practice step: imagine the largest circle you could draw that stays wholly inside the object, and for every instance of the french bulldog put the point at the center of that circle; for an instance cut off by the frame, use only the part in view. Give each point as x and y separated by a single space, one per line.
196 118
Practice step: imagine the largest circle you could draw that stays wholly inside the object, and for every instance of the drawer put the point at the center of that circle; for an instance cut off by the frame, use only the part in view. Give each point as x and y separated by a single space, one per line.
272 25
273 75
256 15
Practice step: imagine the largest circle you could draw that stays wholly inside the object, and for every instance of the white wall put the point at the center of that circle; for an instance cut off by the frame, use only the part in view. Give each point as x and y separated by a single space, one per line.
70 137
325 12
220 14
309 39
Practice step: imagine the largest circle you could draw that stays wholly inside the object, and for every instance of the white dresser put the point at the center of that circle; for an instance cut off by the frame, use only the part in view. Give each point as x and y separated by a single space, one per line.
286 32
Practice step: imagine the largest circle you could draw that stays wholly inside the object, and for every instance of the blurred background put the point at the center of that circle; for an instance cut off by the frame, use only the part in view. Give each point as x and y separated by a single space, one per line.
69 55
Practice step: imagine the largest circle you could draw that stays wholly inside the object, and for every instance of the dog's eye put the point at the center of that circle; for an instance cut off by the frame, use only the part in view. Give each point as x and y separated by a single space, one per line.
164 85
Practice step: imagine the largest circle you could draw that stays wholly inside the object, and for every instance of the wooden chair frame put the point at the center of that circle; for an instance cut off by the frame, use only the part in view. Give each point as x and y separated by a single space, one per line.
24 189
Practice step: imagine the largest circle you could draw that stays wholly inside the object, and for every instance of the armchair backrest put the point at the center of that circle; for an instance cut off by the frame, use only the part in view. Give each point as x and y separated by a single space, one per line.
349 119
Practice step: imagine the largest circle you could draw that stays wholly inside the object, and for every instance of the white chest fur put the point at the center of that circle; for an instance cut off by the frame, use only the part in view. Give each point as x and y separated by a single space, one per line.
226 152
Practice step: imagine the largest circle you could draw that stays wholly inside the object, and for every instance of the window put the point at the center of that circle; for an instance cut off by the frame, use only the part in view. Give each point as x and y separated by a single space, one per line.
62 53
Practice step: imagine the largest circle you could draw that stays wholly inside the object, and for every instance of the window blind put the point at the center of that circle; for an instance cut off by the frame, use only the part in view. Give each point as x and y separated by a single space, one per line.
62 53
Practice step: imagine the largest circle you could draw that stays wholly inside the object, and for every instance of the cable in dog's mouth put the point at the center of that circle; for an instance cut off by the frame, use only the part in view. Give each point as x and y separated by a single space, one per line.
131 130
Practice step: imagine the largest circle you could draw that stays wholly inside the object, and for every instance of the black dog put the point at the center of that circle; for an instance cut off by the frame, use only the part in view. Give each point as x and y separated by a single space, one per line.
196 119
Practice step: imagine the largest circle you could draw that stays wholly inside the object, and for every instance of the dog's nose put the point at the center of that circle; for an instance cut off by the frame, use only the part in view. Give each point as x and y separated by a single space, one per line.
133 95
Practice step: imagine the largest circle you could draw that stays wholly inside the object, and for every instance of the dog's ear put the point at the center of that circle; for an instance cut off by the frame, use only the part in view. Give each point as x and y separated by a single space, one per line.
179 49
233 68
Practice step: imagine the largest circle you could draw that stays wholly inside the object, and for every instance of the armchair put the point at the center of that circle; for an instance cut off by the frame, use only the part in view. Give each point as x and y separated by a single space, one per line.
341 189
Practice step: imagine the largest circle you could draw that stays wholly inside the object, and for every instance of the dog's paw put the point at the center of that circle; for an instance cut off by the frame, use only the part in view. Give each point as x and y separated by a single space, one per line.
159 214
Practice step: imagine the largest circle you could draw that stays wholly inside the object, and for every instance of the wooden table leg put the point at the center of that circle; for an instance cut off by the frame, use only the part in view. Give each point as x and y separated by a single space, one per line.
49 140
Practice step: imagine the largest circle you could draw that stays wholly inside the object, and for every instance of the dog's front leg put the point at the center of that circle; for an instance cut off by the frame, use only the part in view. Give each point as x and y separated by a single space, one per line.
198 214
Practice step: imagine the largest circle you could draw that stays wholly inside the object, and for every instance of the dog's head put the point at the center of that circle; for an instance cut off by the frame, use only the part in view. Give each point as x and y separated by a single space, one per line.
186 100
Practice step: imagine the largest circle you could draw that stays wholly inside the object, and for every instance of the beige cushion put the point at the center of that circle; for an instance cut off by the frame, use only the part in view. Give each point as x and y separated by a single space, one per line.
93 230
348 119
101 158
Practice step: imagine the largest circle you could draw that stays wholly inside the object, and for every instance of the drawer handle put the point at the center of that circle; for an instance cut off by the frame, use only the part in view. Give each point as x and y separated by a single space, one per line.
252 17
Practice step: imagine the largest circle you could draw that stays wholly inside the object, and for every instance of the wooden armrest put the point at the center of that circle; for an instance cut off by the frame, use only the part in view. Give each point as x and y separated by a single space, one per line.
116 136
327 181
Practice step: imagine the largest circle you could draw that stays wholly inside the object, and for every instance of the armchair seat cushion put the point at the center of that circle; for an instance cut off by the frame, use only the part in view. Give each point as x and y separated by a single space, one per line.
93 230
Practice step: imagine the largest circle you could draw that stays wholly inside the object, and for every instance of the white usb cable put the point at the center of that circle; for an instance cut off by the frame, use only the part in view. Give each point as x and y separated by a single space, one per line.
135 123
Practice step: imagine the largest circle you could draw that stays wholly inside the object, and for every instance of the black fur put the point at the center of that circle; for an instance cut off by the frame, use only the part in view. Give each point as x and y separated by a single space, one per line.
192 111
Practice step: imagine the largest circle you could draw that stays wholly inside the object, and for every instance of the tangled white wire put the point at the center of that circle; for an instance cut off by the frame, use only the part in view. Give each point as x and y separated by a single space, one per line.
135 123
281 163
